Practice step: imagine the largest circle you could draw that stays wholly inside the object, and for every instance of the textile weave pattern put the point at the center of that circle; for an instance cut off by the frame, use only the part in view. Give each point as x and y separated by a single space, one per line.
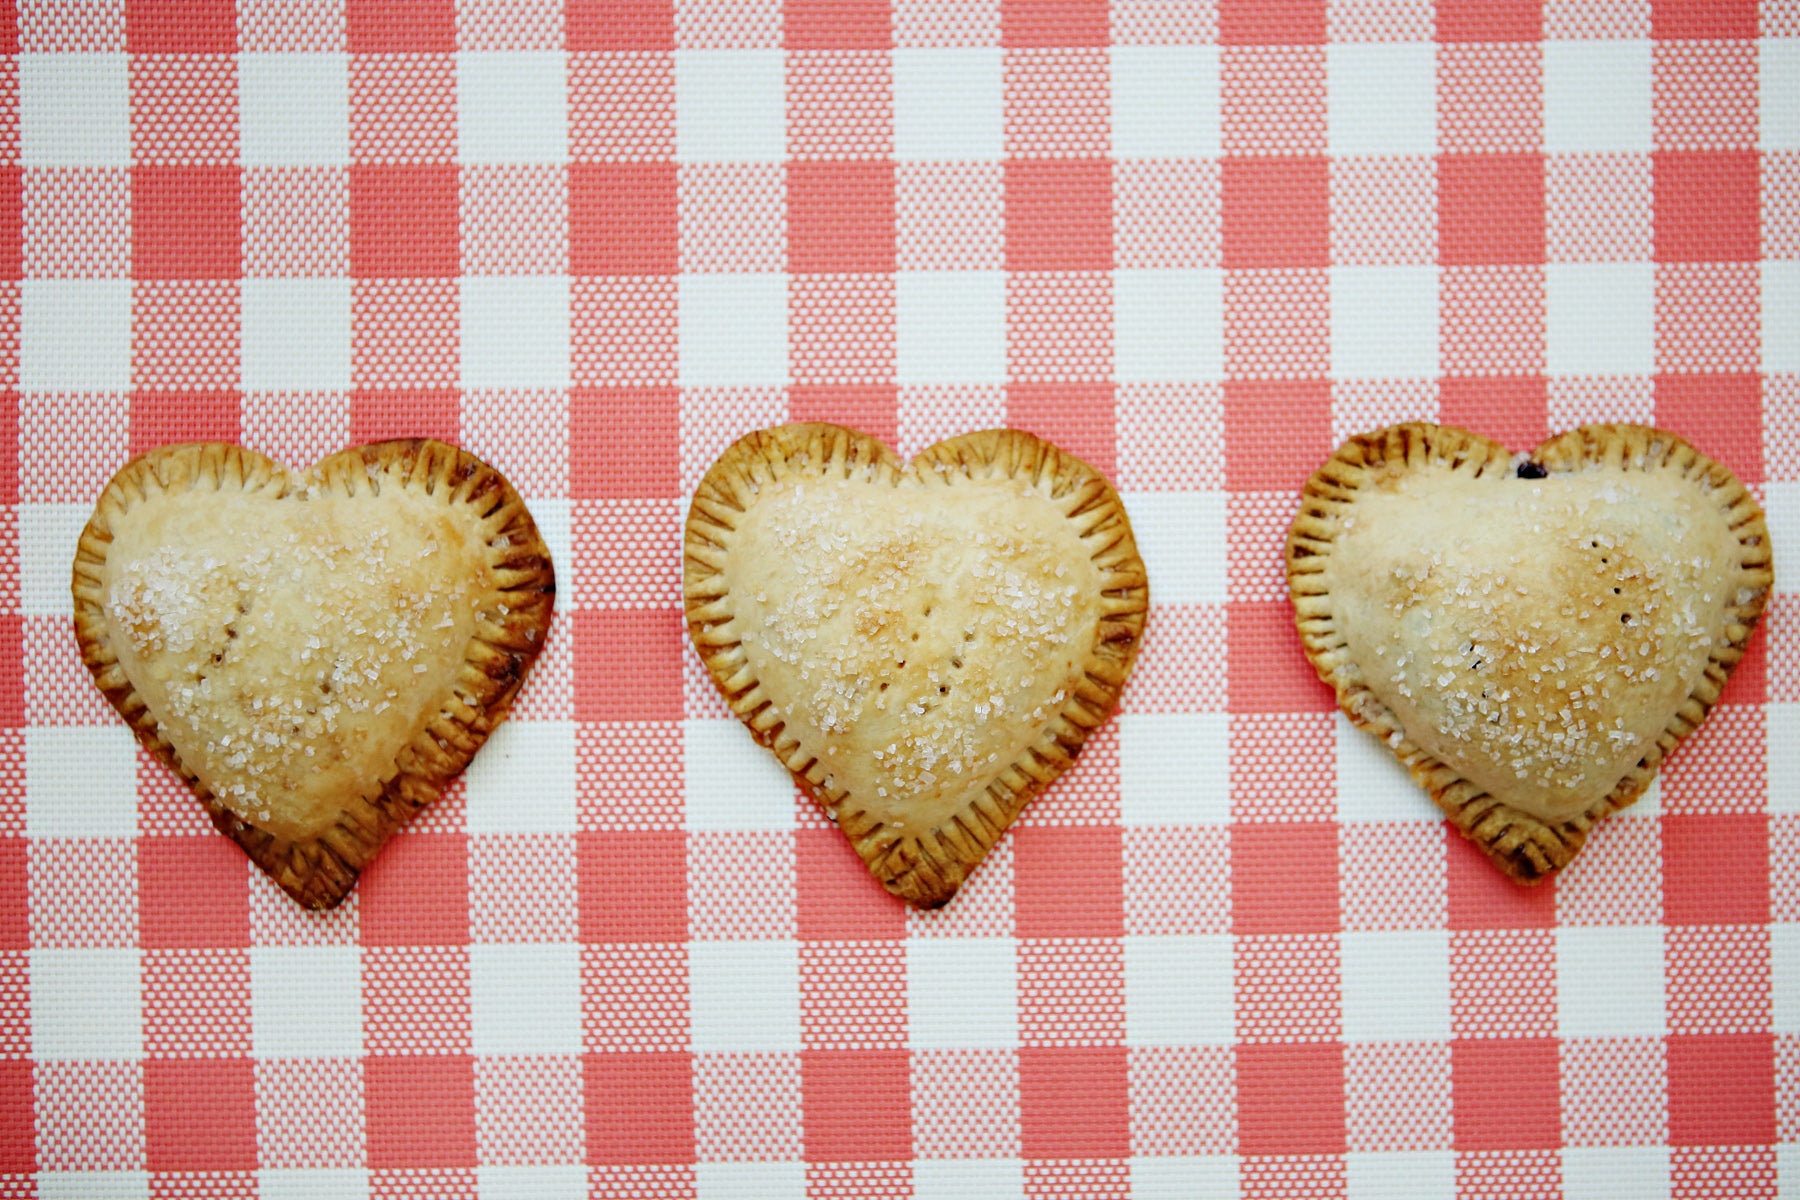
1234 951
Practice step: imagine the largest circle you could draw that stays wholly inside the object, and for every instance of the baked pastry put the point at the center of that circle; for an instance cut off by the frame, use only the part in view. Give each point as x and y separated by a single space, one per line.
1530 636
924 645
316 654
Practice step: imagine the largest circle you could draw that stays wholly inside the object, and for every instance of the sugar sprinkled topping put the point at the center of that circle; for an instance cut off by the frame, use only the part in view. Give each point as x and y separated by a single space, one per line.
1538 639
917 636
266 650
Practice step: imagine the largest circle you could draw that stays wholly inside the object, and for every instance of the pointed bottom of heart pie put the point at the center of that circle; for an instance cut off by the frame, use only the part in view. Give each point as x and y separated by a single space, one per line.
316 654
1510 668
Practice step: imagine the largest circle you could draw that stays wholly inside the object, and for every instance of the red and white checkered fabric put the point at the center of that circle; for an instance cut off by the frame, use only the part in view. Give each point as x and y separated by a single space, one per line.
1234 952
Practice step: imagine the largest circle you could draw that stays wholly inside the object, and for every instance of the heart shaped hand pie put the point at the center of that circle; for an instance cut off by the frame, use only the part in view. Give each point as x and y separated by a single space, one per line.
924 646
1530 638
318 654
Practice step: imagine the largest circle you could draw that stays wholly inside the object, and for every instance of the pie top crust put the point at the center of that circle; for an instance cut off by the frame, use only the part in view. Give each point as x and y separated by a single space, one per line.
317 654
1530 638
924 663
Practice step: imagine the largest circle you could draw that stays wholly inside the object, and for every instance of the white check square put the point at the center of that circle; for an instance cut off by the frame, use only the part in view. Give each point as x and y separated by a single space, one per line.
1780 317
306 1001
733 330
968 1179
1384 322
1185 1177
1371 784
75 335
86 1004
1174 769
511 106
1396 985
48 535
962 993
74 110
523 781
730 106
731 783
1169 326
1598 97
1181 537
1165 102
296 335
1600 318
1609 982
1784 976
526 998
1615 1173
1400 1175
950 327
749 1181
312 1183
948 105
1178 991
744 996
294 110
1381 98
515 332
1778 81
80 781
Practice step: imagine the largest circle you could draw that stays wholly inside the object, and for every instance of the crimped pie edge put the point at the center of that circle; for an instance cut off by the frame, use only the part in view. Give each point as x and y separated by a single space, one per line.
1523 846
319 872
923 870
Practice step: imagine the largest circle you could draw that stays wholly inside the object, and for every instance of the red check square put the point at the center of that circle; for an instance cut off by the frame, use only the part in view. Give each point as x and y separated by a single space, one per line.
1702 19
1074 1102
628 664
1079 417
1506 1093
1489 20
1291 1098
633 886
191 27
15 881
416 892
1058 215
379 414
400 26
159 418
858 1105
1284 878
837 25
1707 206
1490 208
17 1135
840 217
1721 1089
1067 881
624 443
1271 22
192 892
1277 212
619 24
1276 434
623 219
420 1110
839 900
200 1114
185 223
1511 409
1716 869
1482 898
404 221
640 1107
1266 668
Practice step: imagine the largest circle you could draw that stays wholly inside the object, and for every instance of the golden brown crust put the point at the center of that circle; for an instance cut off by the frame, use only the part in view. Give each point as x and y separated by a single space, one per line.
1523 845
923 866
318 865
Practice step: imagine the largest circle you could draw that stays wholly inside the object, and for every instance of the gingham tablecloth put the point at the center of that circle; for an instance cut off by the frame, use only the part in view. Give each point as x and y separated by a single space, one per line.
1234 952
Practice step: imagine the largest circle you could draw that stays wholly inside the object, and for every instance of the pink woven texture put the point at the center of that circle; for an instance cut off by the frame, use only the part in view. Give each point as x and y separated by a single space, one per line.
1234 952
